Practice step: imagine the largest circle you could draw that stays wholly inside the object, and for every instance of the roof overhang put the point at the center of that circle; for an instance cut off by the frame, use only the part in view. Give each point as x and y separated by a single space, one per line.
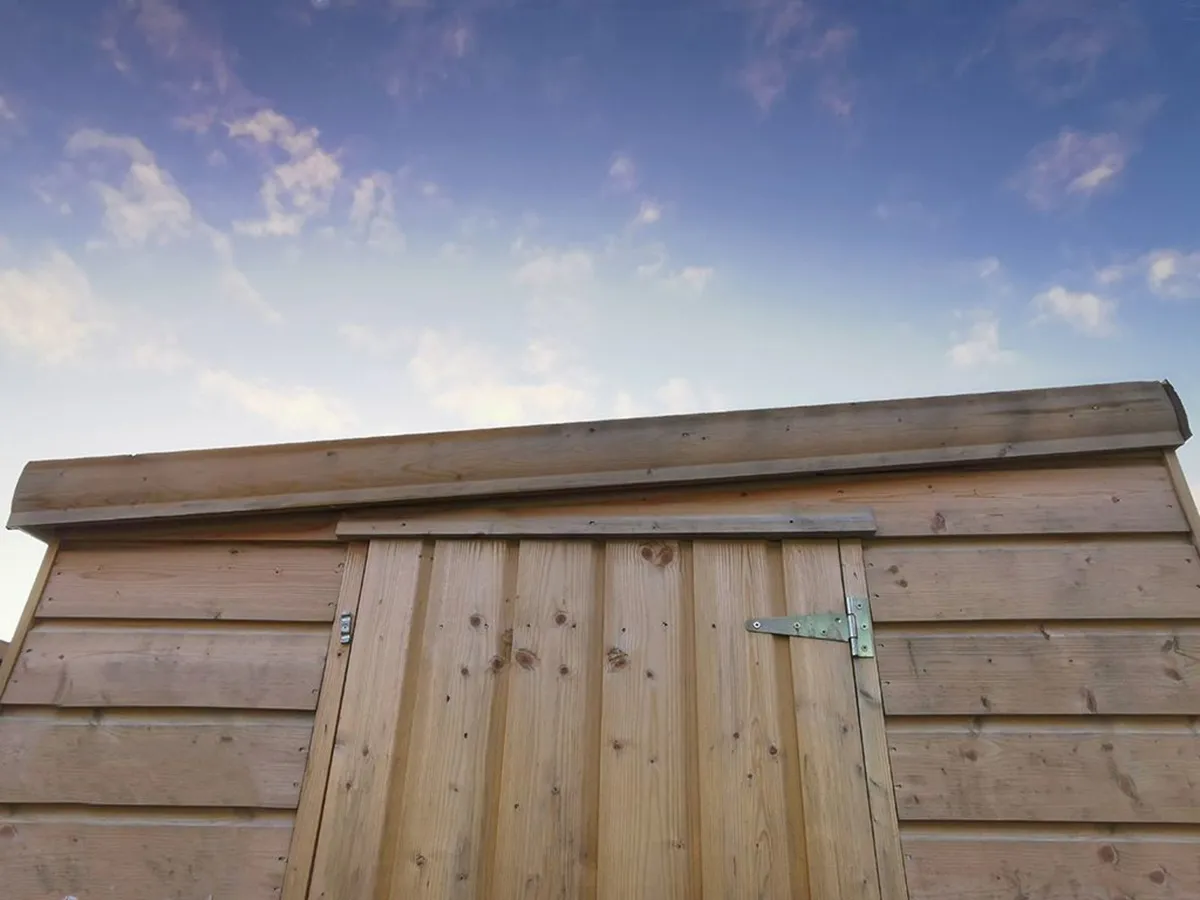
668 450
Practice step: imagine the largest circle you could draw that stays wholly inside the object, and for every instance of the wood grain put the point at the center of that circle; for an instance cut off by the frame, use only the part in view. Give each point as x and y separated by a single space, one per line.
36 591
1187 498
1076 863
269 582
1147 578
230 760
547 812
885 828
730 445
221 668
1147 771
347 862
744 829
645 838
851 522
316 774
1068 669
837 814
440 834
164 855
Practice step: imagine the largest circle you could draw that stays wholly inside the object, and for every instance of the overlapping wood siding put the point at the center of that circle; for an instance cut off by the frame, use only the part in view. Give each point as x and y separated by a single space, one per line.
1042 693
156 725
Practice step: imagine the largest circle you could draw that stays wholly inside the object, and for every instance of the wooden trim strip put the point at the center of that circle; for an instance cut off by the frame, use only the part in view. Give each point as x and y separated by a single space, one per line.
729 446
889 856
329 705
853 522
1187 500
13 651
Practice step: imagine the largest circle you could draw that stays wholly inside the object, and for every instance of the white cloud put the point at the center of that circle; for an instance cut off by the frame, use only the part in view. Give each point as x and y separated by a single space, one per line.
648 213
295 409
556 270
480 388
295 191
691 278
7 114
1083 311
676 396
49 310
980 346
373 213
374 341
1173 275
622 173
1072 164
989 267
160 354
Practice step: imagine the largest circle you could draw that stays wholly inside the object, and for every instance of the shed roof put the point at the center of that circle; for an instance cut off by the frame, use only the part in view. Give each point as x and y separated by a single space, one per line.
683 449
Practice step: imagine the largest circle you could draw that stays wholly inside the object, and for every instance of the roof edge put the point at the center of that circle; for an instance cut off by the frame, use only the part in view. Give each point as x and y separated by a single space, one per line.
741 445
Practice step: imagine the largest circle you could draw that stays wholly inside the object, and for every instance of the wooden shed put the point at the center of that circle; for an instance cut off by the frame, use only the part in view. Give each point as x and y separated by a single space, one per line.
935 649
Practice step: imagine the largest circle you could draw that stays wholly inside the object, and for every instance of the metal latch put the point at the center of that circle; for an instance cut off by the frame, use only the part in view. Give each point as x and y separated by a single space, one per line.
347 623
853 626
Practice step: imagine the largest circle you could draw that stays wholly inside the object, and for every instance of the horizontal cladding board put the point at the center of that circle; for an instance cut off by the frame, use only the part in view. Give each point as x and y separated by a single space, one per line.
102 857
1119 578
919 431
227 667
274 582
1081 773
1128 497
1154 864
170 760
1149 669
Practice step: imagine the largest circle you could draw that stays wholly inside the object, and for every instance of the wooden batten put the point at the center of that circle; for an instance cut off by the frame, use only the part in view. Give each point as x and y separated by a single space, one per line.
713 447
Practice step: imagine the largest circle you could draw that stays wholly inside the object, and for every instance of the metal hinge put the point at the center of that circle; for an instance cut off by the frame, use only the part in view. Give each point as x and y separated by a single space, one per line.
853 626
347 627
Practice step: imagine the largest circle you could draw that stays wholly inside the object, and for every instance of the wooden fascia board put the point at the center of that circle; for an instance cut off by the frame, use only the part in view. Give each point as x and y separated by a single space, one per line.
668 450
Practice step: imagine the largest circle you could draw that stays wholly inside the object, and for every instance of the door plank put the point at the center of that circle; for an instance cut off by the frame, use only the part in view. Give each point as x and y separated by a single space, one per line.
440 837
837 816
743 812
545 836
352 825
645 839
881 793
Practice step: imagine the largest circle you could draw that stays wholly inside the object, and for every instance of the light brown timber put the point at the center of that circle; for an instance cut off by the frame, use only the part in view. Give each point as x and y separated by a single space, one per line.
923 432
1071 862
102 854
346 863
885 828
979 580
1149 668
247 760
329 705
251 582
224 667
13 651
1081 770
1187 499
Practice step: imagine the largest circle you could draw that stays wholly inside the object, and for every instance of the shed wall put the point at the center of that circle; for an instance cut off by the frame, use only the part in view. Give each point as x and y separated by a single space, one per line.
155 729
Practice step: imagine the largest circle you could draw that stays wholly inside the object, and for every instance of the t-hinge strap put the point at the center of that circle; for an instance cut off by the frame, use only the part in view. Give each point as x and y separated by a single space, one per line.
853 626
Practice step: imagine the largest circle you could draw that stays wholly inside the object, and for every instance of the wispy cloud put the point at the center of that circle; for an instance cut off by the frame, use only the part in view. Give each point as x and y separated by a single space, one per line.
1087 313
374 341
551 270
49 311
980 346
648 213
676 396
8 115
1072 165
295 190
149 208
622 173
297 409
373 213
1169 273
788 35
693 279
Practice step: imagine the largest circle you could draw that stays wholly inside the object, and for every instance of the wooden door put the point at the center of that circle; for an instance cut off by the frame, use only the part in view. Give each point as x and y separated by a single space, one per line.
573 716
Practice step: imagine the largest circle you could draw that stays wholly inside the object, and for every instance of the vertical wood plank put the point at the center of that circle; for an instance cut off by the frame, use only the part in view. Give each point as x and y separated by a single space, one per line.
644 819
329 705
9 662
352 825
837 817
1187 500
440 834
546 811
889 857
744 823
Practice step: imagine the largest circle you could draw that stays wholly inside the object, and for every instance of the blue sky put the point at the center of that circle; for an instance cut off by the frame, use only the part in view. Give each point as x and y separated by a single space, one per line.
229 223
